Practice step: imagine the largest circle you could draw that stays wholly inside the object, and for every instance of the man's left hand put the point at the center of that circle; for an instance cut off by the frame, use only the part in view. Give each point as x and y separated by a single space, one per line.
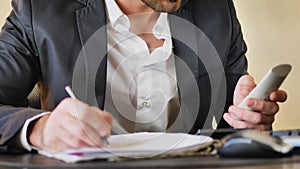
263 114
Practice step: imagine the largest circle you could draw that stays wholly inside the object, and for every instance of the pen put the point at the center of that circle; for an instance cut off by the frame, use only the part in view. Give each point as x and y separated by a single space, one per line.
72 95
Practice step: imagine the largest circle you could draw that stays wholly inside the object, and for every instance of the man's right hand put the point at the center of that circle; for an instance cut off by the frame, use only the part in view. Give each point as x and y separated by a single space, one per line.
73 124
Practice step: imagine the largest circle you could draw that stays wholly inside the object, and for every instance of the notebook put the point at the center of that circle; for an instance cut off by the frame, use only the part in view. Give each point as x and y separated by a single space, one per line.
140 145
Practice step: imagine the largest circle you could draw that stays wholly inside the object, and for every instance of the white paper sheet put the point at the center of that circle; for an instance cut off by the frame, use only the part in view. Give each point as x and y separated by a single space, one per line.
137 145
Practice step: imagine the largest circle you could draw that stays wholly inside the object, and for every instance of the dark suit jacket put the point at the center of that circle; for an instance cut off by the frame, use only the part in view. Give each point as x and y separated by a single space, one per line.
42 40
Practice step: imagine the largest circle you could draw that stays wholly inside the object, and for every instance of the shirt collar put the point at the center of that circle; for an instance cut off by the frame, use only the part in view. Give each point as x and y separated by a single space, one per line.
116 17
113 11
162 28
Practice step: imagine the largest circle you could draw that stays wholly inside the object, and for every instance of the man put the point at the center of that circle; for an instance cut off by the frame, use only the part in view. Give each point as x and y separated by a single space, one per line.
42 41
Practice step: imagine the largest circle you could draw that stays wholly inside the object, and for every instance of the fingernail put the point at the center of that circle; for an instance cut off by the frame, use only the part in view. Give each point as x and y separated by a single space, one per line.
102 133
251 103
273 96
245 91
225 115
231 110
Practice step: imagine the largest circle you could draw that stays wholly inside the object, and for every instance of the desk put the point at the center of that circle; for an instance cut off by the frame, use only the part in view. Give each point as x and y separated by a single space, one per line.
38 161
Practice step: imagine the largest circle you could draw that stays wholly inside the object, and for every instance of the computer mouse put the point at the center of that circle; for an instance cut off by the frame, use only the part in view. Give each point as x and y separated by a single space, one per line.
253 144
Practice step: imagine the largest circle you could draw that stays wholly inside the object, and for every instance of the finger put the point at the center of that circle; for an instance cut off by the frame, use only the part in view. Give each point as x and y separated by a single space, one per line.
247 80
238 124
266 107
240 93
98 120
243 88
278 96
250 116
105 124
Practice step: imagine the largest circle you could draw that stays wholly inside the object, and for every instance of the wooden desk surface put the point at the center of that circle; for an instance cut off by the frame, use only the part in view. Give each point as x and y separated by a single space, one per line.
38 161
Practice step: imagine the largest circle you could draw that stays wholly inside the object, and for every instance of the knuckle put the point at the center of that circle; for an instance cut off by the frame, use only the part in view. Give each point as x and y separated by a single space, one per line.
260 105
109 119
86 109
96 109
100 113
272 119
275 108
82 116
244 125
83 113
257 118
79 131
239 124
235 123
238 114
54 117
232 123
66 100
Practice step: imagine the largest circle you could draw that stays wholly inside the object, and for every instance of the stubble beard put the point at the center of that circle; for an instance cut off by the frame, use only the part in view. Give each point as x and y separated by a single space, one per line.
163 5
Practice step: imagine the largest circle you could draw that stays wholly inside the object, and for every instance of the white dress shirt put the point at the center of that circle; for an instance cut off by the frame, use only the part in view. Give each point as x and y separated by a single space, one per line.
141 85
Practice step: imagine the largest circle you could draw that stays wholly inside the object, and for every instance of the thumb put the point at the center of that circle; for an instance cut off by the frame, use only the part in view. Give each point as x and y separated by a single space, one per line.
244 86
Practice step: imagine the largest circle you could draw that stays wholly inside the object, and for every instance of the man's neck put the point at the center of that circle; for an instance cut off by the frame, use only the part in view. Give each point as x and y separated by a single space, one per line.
142 19
141 16
130 7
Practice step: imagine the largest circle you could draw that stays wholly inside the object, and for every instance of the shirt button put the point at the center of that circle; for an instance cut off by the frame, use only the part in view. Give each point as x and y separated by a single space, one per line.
146 104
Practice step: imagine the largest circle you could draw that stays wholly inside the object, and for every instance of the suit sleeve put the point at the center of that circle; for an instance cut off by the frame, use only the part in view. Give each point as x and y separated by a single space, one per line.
236 63
19 72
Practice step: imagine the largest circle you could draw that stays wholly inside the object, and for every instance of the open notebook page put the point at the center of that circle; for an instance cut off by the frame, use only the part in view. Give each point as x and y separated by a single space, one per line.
138 145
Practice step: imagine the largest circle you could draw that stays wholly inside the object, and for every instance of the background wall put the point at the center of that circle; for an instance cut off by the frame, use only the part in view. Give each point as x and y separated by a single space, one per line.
4 10
272 31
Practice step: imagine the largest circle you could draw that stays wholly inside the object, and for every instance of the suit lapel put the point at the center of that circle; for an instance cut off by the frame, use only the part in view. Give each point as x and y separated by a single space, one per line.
90 18
83 2
184 39
186 63
91 24
195 51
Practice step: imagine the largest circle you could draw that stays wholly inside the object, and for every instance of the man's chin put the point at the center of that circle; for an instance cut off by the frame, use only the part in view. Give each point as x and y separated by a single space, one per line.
163 5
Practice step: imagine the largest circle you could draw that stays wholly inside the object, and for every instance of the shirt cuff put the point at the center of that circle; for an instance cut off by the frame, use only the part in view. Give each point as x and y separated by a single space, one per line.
23 138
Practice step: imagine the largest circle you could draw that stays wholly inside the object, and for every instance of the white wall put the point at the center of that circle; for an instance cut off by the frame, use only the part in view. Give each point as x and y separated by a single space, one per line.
272 32
4 10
